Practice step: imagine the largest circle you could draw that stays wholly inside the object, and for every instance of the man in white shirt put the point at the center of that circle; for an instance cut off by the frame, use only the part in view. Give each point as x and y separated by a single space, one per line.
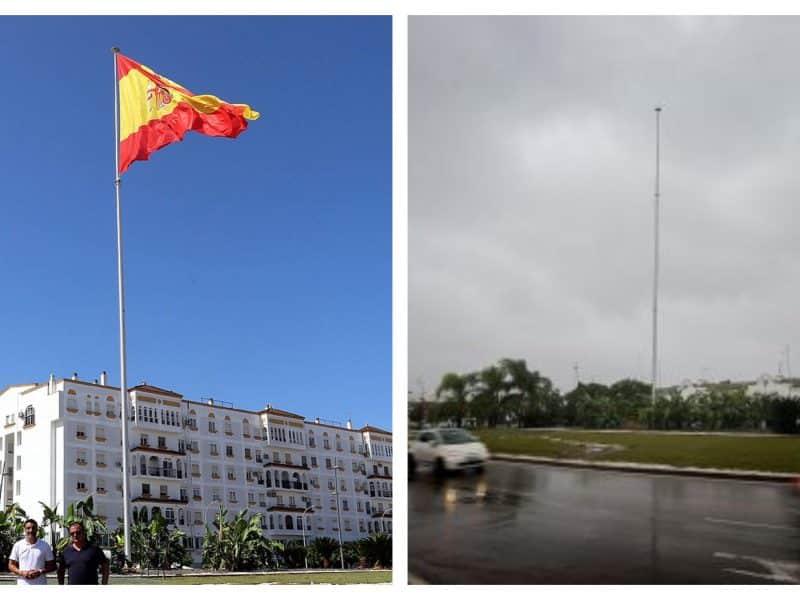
31 558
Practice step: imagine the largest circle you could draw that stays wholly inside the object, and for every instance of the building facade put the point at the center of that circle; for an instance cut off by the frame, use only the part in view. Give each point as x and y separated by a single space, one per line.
61 442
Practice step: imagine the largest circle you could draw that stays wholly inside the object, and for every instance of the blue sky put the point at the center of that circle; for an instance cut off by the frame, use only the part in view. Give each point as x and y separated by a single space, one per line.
257 270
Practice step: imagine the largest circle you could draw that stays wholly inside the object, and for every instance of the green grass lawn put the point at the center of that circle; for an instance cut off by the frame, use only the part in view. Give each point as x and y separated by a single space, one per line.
349 577
758 453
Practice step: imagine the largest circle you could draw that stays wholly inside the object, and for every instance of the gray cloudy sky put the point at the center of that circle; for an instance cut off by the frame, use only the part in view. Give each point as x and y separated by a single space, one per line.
531 179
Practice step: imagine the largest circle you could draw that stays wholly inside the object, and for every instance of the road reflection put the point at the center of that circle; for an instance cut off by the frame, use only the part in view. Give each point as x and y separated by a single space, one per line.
520 523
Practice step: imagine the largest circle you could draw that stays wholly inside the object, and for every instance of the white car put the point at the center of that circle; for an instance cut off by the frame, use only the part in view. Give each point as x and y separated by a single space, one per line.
446 450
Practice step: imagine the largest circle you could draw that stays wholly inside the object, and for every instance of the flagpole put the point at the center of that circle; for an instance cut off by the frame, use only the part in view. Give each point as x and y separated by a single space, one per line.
655 260
123 386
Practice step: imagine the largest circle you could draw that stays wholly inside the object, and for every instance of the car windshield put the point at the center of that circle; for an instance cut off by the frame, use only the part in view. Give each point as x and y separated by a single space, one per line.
456 436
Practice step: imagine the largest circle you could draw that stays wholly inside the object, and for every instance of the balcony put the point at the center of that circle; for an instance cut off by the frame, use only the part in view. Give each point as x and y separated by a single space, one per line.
111 414
197 498
215 476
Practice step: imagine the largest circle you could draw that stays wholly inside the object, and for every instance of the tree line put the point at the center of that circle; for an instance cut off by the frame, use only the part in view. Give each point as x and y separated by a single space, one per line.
508 393
229 544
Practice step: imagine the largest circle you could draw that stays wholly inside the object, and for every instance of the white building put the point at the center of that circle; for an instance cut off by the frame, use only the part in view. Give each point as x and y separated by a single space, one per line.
765 385
61 442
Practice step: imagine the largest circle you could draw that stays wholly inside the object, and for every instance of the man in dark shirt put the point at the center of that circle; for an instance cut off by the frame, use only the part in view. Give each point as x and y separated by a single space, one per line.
81 559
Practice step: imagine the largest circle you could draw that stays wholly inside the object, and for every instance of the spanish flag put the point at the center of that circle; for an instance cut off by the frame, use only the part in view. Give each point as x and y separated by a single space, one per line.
155 111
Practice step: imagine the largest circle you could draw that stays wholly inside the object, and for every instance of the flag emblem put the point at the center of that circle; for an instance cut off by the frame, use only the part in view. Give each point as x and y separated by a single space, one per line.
155 111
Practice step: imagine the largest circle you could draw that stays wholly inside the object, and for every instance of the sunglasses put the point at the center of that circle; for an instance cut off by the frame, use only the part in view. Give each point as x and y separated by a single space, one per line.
74 533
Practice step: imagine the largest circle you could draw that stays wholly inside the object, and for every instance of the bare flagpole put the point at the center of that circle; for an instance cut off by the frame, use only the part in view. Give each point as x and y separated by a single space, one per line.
123 386
655 262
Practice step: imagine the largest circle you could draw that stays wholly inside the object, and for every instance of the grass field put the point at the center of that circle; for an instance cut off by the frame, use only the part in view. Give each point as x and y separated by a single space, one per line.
757 453
350 577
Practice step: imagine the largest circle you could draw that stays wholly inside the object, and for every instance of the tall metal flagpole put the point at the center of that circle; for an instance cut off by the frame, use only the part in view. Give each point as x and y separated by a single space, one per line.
655 266
123 386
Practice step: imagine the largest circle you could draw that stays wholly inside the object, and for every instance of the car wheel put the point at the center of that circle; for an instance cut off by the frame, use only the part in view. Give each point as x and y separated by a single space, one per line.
439 469
479 469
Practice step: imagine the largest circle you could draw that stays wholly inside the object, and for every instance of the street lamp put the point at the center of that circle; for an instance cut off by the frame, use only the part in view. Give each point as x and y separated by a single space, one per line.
305 551
388 510
338 511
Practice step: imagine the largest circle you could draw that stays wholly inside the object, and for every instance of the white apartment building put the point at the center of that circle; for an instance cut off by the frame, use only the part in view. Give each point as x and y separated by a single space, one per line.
62 442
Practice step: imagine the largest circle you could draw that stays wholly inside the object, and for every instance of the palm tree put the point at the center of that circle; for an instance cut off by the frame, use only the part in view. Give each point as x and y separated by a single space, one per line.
454 387
325 548
490 389
237 544
51 519
520 392
377 549
82 512
11 529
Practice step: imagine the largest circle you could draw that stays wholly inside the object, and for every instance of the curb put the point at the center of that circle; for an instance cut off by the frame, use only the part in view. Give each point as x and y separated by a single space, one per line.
651 469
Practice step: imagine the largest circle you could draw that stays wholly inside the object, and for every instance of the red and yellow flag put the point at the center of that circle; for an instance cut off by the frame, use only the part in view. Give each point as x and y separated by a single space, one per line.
155 111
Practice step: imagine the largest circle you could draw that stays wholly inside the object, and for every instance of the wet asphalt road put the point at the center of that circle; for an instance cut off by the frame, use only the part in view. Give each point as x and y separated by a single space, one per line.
531 524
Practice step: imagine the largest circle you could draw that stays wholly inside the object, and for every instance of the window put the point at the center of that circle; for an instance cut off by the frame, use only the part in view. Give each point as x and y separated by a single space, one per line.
229 451
100 459
19 462
101 486
143 440
216 495
162 442
145 489
247 454
328 463
314 462
326 444
212 448
344 505
19 487
232 496
162 491
169 515
29 416
100 434
19 438
304 461
212 426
